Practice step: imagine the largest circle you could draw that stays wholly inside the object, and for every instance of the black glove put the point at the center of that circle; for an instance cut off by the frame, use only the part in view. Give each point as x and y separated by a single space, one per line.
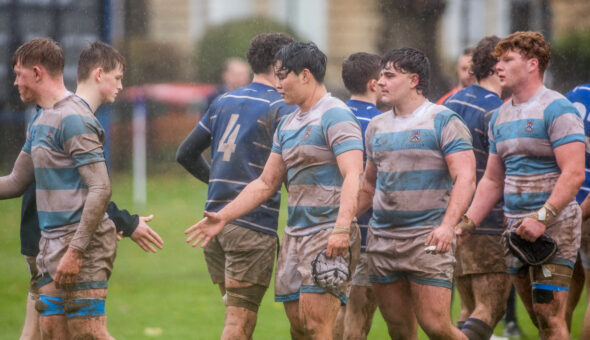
533 253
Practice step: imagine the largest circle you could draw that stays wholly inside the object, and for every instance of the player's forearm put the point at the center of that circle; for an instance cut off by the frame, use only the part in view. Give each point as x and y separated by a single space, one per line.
99 194
253 195
567 186
487 194
189 154
349 197
366 195
461 195
22 175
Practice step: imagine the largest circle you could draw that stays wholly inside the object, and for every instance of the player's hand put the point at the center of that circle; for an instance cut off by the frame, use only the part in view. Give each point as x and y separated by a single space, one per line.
338 245
68 269
442 238
145 237
530 229
464 229
205 229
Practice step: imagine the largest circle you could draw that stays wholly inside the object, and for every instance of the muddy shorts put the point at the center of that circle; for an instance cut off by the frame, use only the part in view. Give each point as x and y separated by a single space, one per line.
565 230
585 245
293 274
480 254
35 275
241 254
97 262
392 259
361 273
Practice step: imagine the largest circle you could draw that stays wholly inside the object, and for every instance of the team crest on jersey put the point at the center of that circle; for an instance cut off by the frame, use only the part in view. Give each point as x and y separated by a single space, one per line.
307 133
529 127
415 138
50 135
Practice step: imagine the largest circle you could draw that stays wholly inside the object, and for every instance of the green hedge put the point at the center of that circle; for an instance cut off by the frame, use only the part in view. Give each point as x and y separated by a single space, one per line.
570 61
231 39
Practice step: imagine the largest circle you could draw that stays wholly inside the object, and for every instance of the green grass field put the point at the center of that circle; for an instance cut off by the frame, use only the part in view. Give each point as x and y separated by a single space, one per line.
167 295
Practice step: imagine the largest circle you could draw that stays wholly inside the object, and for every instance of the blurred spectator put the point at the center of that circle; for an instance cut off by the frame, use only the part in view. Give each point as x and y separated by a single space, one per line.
464 74
236 74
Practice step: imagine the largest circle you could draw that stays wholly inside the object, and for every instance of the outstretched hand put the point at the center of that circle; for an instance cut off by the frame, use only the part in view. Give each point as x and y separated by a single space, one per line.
205 229
145 237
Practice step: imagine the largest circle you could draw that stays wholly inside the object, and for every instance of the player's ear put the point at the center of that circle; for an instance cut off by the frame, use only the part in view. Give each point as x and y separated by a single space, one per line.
98 73
372 85
533 64
414 80
38 71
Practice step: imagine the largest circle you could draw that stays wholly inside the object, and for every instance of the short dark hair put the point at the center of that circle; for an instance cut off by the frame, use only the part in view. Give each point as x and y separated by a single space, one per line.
410 60
358 69
483 61
467 51
41 51
297 56
263 48
529 44
98 54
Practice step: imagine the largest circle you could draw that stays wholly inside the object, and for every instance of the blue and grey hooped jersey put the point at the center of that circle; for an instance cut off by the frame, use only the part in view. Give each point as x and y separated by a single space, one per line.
413 181
475 105
309 143
524 136
580 97
364 112
241 124
59 140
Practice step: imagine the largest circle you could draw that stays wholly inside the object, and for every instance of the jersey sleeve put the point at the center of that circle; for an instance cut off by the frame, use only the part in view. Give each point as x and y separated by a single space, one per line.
453 134
276 142
564 123
491 138
341 130
82 138
368 138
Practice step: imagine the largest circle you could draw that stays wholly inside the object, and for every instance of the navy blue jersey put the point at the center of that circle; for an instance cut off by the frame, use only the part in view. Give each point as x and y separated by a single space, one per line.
363 111
475 105
580 96
241 124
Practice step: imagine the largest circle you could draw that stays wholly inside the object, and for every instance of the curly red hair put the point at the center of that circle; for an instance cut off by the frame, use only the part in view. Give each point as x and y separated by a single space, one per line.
529 44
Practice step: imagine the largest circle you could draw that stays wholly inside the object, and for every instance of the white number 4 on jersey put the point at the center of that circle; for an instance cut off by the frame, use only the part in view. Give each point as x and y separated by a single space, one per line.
228 140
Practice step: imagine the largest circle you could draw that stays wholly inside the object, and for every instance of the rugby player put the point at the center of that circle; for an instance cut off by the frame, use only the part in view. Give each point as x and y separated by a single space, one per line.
536 161
480 273
45 55
580 97
63 152
318 150
419 178
463 73
239 127
360 72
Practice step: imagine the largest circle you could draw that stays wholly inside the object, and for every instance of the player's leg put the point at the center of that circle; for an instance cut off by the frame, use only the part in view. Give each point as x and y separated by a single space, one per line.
52 317
244 258
522 283
317 312
585 333
361 306
401 322
338 331
85 312
31 330
292 311
490 292
576 288
288 283
433 305
463 285
360 309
